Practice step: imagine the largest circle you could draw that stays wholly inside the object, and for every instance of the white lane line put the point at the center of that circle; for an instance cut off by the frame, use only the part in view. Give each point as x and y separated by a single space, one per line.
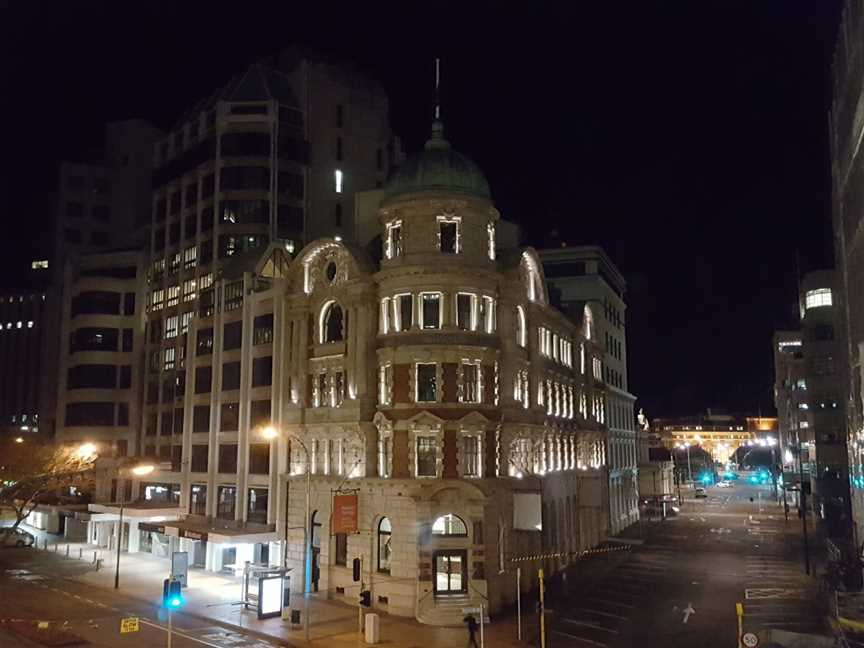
616 603
605 614
590 625
179 633
795 613
578 638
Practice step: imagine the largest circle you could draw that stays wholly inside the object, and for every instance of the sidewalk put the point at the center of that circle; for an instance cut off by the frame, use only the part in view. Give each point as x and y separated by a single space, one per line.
216 597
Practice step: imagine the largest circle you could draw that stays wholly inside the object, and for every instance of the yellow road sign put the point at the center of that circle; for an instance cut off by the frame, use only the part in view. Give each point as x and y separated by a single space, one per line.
129 624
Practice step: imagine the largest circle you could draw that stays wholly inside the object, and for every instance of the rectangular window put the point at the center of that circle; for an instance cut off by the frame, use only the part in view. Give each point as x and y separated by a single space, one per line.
171 324
232 336
426 383
188 290
431 310
470 382
169 358
158 299
338 179
489 315
203 379
226 502
384 316
190 257
173 295
322 391
201 418
262 371
262 332
817 298
205 281
257 506
394 239
448 235
185 318
341 540
465 311
233 296
384 456
230 376
338 396
404 319
198 497
427 456
259 458
228 458
471 455
204 343
229 414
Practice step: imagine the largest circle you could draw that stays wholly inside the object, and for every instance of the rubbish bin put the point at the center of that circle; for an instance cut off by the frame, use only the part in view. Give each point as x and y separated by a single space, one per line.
373 628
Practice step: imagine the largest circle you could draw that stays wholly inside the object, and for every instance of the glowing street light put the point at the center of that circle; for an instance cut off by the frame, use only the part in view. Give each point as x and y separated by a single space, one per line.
19 440
86 450
139 470
269 432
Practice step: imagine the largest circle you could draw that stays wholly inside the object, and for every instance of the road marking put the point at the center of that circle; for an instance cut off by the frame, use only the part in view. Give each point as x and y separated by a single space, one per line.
617 603
773 593
578 638
591 625
605 614
687 612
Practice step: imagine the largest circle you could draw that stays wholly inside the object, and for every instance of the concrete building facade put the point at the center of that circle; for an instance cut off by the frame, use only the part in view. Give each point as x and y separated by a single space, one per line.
581 275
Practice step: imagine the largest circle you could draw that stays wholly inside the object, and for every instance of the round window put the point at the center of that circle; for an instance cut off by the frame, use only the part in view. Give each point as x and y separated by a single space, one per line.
330 271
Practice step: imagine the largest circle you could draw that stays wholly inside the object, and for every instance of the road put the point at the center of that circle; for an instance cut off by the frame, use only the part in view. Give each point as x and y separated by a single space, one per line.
680 587
41 587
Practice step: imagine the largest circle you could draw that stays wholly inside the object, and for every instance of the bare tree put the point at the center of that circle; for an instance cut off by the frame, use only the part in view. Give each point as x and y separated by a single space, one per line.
32 472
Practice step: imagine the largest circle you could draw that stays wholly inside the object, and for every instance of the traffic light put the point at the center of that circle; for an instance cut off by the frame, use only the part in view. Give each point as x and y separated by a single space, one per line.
172 597
356 569
366 598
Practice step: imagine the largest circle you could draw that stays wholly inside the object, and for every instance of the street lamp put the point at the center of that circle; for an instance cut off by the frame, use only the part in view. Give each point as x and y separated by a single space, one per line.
139 470
689 467
271 433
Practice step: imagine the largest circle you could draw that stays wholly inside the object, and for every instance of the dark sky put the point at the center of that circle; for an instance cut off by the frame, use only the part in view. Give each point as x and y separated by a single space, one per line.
689 138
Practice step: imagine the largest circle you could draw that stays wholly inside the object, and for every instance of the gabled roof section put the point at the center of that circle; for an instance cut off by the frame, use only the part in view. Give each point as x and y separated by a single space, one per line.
260 83
274 263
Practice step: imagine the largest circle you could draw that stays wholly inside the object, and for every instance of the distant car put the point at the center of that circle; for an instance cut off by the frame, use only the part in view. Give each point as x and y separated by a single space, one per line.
725 484
700 493
655 508
10 537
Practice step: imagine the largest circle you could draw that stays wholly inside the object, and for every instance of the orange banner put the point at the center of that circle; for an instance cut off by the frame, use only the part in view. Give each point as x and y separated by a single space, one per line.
344 514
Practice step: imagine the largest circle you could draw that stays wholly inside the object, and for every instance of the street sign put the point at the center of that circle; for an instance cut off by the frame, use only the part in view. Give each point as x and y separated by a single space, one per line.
750 640
129 624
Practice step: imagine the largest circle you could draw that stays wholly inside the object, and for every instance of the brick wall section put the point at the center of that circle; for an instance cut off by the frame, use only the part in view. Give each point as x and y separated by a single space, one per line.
401 383
450 457
400 454
451 386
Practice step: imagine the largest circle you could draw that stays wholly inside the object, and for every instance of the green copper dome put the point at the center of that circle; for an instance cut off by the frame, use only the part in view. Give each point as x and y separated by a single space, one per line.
438 168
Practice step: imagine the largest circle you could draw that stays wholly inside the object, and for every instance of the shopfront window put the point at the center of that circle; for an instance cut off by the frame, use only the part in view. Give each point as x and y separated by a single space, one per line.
226 503
257 506
198 499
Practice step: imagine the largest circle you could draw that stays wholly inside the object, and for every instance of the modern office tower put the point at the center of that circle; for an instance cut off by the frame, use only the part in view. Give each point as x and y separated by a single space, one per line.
790 396
585 275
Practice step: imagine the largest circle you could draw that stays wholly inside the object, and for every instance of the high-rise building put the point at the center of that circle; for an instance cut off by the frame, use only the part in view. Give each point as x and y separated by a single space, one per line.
583 276
790 395
847 171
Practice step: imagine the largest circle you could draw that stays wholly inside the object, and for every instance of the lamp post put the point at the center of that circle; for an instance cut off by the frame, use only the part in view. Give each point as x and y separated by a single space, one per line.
139 470
689 467
271 433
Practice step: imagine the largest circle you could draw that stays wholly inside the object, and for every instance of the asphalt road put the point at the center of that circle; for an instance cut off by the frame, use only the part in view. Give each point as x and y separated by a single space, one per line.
680 587
36 586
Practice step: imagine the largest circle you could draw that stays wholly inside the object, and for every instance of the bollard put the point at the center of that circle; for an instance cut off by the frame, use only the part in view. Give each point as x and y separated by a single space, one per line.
56 546
94 557
67 550
80 553
98 564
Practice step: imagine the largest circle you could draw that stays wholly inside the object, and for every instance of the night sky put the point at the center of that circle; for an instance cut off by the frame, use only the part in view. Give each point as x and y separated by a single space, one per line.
687 138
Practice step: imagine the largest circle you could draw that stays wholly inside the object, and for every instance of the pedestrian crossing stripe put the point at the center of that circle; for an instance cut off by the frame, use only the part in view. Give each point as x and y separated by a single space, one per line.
773 593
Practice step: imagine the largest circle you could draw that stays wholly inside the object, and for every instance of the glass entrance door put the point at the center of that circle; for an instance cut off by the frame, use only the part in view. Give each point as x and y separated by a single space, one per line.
451 572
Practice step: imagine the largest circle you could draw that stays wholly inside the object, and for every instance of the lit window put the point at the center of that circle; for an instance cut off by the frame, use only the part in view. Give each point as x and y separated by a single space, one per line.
171 327
490 233
427 456
19 324
338 178
489 315
430 311
190 257
403 312
817 298
471 455
598 368
188 290
185 318
426 383
173 295
521 327
449 239
41 264
384 456
471 392
394 239
205 281
465 308
384 321
30 324
169 358
331 324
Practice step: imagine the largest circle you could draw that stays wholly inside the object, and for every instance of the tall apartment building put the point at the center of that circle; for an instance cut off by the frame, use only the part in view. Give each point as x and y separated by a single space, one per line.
437 387
847 171
823 406
586 275
790 396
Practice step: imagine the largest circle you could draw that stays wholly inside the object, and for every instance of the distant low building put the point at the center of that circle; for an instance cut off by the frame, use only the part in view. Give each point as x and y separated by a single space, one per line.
718 434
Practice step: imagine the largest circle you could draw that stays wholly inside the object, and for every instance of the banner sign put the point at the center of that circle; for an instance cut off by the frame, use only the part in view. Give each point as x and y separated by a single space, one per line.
344 514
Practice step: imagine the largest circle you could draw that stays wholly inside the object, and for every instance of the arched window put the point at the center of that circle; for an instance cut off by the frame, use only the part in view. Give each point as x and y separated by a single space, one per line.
449 525
385 531
332 323
521 327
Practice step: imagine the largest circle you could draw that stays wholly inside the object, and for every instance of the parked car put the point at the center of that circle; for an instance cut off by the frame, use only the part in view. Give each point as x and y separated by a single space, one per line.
10 537
700 493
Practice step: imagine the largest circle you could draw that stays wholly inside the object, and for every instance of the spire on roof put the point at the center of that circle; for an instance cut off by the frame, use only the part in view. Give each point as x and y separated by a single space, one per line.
437 140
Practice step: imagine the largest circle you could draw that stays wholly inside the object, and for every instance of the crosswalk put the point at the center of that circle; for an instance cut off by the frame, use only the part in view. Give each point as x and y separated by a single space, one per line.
775 597
597 617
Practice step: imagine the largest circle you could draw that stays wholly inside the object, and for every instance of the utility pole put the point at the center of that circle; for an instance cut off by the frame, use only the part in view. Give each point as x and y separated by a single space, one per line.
542 611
